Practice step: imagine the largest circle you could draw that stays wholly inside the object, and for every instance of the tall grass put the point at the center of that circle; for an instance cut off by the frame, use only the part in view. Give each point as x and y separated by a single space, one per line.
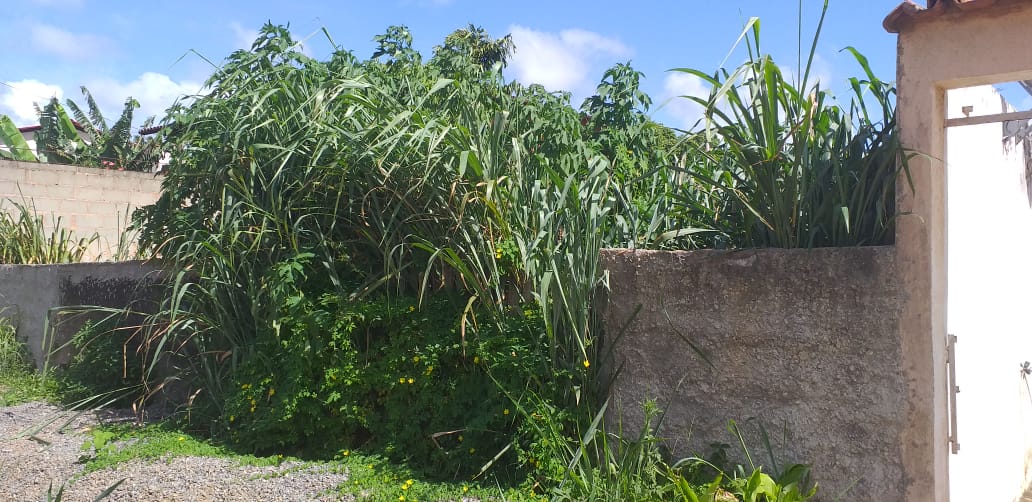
798 169
26 238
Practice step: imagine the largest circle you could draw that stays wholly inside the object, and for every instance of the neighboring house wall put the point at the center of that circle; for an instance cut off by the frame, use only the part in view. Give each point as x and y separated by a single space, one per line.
989 238
86 199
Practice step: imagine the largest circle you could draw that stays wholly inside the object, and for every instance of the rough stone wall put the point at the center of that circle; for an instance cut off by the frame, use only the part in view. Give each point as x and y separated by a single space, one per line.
805 342
86 199
29 295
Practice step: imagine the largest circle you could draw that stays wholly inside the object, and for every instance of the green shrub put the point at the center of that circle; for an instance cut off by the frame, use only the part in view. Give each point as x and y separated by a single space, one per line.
14 357
419 384
19 383
105 369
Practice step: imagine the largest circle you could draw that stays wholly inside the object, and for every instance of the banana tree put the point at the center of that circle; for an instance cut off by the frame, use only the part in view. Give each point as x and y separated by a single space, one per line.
12 144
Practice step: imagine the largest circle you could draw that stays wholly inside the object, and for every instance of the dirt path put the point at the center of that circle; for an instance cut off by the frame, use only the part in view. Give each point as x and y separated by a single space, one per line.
30 463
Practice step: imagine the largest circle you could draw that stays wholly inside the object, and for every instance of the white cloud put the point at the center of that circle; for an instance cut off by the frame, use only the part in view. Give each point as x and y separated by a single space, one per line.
17 100
242 37
155 92
684 111
562 61
68 45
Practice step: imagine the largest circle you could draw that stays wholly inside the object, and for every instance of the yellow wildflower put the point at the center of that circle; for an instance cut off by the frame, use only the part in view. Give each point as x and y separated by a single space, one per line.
465 489
472 451
181 438
232 418
476 359
401 380
505 411
404 487
411 381
415 359
272 392
346 452
587 363
460 438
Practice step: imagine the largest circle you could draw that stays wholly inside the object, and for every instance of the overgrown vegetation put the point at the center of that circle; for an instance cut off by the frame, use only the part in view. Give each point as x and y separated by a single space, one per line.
400 257
19 382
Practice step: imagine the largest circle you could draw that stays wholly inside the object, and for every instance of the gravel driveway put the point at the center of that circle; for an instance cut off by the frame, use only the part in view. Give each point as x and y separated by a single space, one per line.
28 466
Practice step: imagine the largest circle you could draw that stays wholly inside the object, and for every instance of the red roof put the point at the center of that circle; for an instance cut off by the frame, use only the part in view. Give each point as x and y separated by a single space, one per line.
908 13
34 128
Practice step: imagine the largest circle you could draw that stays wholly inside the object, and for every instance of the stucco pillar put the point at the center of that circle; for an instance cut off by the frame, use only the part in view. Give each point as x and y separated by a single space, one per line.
921 264
952 44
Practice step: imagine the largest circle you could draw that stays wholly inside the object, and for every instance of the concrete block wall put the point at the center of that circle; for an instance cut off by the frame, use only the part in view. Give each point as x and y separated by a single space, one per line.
85 199
30 297
806 342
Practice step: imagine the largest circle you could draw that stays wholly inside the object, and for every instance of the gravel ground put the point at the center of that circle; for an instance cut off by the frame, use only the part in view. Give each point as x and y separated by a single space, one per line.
28 465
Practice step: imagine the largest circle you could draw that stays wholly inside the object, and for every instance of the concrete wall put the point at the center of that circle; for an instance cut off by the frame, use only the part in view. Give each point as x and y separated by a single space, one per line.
29 292
806 341
989 222
86 199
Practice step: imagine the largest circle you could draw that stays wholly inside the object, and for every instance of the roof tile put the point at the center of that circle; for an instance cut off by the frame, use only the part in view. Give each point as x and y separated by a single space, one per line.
908 12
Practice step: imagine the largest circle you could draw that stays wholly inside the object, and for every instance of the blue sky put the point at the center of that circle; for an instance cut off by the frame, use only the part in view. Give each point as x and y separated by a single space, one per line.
143 49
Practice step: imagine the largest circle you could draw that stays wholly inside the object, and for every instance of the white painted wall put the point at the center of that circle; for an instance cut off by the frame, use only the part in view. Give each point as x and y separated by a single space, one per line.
989 307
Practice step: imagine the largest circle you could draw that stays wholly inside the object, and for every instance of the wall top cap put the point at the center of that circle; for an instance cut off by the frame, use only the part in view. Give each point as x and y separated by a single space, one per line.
908 13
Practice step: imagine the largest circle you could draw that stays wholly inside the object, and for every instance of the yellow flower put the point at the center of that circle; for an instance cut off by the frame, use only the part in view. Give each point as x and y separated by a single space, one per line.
411 381
476 359
505 411
587 363
404 487
460 438
429 369
412 308
346 452
472 451
401 380
402 498
181 438
465 489
415 359
272 392
232 418
410 482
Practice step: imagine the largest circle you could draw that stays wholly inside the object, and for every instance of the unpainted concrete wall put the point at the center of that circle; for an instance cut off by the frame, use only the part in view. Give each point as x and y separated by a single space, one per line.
807 342
86 199
29 295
